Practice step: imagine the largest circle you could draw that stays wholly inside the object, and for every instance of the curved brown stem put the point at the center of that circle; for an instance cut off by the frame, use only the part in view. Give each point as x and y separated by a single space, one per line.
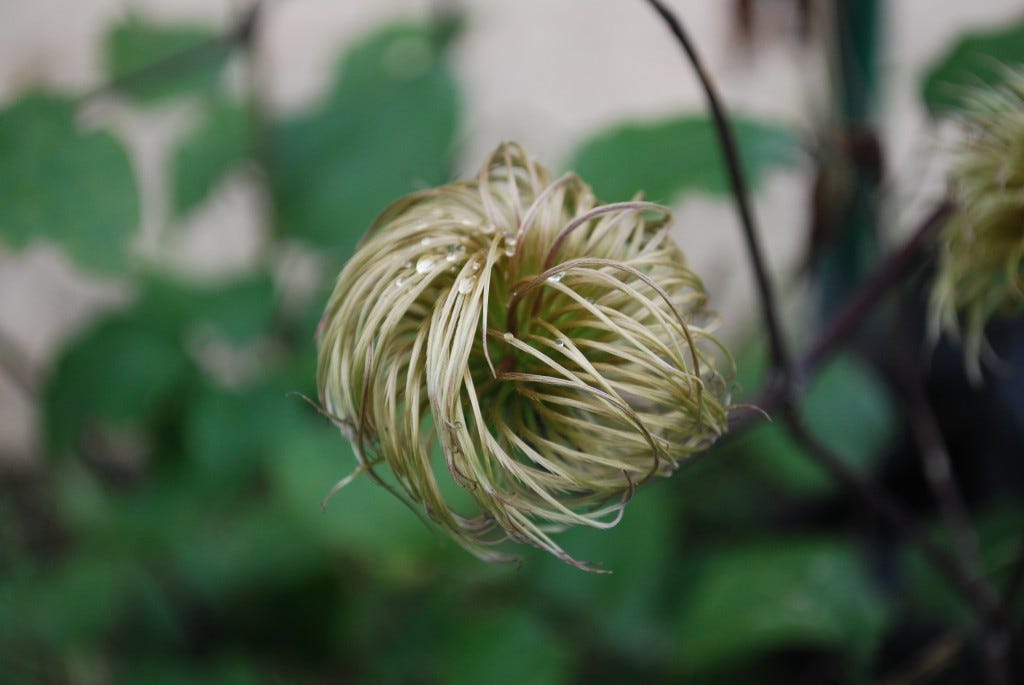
882 280
975 592
740 194
880 283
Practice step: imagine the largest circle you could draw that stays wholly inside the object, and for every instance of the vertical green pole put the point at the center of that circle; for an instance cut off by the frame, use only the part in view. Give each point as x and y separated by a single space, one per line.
855 222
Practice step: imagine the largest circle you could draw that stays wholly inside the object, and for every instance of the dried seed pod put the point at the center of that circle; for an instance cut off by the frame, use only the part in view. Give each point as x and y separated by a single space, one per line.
981 260
550 351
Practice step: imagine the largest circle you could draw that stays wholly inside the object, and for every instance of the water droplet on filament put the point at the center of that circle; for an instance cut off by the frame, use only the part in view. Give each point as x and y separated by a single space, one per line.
453 252
510 243
424 264
466 284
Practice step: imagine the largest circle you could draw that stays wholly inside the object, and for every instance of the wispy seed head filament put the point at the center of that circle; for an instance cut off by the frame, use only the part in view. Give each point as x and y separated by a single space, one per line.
981 259
543 351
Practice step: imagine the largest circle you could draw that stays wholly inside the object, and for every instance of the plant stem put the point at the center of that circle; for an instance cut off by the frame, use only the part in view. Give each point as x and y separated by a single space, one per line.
895 515
938 471
1009 597
740 193
886 276
985 605
863 301
187 59
937 467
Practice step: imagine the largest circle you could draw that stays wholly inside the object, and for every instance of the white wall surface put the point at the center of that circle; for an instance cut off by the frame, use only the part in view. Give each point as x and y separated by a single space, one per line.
544 72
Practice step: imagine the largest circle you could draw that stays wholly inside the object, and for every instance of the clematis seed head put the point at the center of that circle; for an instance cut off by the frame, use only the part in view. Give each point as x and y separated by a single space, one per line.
981 259
514 338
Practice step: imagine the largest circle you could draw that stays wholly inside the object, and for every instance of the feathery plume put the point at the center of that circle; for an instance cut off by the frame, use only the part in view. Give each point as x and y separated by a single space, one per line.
981 259
545 352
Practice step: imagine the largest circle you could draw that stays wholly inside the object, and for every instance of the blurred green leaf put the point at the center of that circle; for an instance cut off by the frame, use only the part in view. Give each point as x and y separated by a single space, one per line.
57 182
976 59
786 593
848 408
504 647
153 521
151 615
623 607
225 670
209 154
130 366
386 128
241 550
119 374
69 606
362 520
665 158
82 501
228 434
239 309
169 59
724 495
999 539
409 626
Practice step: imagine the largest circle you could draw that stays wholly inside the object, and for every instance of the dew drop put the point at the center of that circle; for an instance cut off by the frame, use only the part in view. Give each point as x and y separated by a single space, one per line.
510 243
555 278
400 281
475 266
466 284
408 264
509 337
559 342
426 241
424 264
488 227
453 252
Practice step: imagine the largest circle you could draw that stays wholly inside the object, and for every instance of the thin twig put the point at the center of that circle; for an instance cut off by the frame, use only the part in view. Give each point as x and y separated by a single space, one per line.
866 298
740 193
895 515
935 658
886 276
1010 592
938 471
187 59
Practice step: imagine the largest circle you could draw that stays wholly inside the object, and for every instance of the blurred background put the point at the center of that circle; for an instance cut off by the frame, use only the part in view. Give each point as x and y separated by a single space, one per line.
180 182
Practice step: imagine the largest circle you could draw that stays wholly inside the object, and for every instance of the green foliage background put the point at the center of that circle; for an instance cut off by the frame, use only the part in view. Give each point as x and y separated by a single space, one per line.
203 556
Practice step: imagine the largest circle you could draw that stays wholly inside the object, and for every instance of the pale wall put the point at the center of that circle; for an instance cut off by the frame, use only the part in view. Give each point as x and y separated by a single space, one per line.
544 72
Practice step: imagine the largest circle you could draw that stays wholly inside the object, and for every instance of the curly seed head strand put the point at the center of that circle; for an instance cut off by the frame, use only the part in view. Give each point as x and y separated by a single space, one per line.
981 262
550 350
